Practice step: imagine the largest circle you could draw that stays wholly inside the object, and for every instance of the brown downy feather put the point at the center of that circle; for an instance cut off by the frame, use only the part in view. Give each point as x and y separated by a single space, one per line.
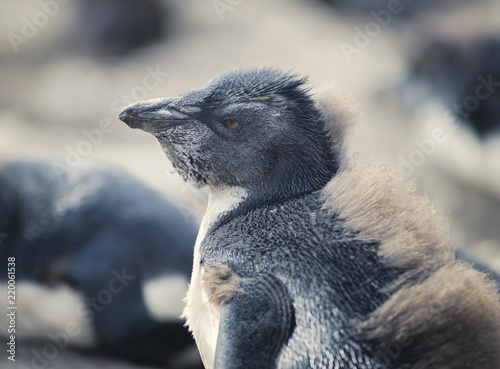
220 284
442 314
340 112
449 321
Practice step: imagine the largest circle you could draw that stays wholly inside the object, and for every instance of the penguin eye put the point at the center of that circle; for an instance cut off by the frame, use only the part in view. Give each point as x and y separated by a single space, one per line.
231 124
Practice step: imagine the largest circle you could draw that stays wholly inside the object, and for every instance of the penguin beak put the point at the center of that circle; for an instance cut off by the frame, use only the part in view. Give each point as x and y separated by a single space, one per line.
154 116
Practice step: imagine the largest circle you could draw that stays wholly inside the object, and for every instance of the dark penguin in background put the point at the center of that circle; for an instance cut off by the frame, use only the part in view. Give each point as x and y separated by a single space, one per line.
123 248
465 76
116 28
305 259
391 11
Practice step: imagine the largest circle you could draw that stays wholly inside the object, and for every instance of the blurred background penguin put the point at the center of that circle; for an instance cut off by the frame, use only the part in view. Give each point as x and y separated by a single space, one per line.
424 75
102 261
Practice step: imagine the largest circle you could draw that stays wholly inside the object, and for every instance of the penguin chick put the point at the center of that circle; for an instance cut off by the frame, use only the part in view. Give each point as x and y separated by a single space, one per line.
304 260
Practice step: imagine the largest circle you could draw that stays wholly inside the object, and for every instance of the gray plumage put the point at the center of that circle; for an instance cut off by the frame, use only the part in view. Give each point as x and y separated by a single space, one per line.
303 259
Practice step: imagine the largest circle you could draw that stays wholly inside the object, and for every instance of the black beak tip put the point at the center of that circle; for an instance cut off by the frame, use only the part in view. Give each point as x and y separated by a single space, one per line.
128 117
152 115
123 115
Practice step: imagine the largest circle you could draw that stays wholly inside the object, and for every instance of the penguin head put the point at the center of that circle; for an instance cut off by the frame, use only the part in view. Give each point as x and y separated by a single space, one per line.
251 128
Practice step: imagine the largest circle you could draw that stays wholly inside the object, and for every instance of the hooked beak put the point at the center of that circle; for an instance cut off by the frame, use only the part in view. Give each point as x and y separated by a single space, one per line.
154 116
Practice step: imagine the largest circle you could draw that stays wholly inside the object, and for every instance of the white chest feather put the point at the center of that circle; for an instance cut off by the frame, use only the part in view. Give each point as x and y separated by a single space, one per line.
201 316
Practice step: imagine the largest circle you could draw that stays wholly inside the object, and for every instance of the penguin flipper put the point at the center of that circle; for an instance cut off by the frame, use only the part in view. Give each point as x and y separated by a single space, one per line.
254 324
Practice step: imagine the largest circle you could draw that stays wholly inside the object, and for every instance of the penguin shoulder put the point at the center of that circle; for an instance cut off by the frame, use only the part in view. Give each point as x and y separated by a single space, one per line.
438 303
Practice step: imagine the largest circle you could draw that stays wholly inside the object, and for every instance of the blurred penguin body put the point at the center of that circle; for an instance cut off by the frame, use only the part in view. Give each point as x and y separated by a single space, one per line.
108 236
451 96
305 259
465 75
388 11
120 27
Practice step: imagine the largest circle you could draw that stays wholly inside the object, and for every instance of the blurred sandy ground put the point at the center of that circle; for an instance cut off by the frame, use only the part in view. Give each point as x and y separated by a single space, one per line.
49 95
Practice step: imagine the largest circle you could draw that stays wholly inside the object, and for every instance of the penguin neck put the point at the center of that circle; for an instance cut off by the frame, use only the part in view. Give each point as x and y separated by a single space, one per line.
221 203
229 201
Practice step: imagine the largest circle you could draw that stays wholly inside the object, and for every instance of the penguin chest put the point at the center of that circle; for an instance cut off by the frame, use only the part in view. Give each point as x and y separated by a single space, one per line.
203 315
203 318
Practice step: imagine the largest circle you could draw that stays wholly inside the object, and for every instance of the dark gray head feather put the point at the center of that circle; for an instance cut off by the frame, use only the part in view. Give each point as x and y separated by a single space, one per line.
279 150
